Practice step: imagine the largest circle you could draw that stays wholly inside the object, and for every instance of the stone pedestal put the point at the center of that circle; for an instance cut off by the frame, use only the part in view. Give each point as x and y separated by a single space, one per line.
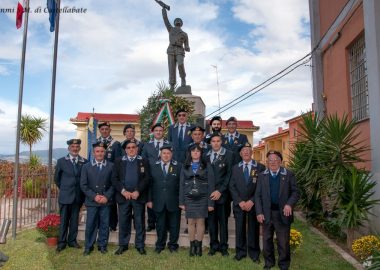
199 105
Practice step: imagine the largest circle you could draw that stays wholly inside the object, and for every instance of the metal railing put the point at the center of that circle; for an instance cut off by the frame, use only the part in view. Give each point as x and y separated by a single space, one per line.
32 195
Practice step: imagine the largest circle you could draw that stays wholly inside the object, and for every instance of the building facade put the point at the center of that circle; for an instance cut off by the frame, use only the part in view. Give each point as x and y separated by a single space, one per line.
345 37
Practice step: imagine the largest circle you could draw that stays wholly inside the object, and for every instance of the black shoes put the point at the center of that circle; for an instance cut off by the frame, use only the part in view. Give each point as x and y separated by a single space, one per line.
103 250
121 250
74 245
60 248
173 250
158 250
192 249
141 251
150 228
239 257
211 252
198 248
224 253
256 260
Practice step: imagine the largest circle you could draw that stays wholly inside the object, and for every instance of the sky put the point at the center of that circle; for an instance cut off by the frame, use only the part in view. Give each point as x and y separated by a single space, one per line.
112 57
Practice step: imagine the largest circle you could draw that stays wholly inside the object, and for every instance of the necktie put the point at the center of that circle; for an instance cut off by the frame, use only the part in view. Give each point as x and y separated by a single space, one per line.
131 159
74 160
99 166
231 139
215 156
158 146
246 173
180 137
164 169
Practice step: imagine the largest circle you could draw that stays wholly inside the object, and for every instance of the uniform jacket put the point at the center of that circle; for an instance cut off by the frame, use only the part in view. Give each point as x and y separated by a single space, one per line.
205 181
222 169
180 151
118 178
239 141
239 189
113 149
288 194
150 153
164 191
67 180
94 182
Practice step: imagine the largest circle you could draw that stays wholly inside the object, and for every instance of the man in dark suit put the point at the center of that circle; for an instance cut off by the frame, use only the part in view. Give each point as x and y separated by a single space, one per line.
67 179
221 161
179 135
216 127
233 140
131 182
112 152
242 187
164 199
96 184
197 135
129 132
275 198
151 152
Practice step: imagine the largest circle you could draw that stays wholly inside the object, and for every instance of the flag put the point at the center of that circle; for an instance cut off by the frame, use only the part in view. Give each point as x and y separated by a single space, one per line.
52 8
19 14
91 135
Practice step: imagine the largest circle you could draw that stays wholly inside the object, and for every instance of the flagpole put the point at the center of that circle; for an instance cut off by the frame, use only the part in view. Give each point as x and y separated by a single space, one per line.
52 103
20 94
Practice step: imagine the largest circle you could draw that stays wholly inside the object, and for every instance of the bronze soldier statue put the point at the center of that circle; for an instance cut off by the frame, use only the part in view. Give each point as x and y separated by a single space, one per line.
178 44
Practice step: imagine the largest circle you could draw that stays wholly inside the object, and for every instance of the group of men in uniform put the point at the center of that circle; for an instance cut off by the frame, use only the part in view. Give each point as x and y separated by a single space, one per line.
124 178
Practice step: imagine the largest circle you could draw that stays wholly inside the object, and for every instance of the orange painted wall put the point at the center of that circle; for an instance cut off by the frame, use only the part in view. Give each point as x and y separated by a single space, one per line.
336 69
330 9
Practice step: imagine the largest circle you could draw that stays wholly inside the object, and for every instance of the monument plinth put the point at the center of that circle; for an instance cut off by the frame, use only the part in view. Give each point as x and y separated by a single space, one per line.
199 105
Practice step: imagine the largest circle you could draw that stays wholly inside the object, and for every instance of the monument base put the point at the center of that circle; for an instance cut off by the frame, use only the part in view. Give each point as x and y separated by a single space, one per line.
181 90
199 106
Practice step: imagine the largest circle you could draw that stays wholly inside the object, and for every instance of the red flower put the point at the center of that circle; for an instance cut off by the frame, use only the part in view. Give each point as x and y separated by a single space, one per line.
49 225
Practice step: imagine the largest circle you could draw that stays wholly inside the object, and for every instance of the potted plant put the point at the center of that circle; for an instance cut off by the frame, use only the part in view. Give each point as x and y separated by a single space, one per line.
49 227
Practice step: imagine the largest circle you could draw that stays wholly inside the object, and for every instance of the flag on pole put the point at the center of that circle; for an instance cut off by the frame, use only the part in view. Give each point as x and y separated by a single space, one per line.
91 135
52 8
19 15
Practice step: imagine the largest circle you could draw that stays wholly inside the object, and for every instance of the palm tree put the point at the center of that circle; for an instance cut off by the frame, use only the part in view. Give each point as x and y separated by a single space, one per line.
31 130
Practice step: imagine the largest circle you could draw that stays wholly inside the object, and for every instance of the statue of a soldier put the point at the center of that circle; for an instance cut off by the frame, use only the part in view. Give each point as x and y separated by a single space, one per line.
178 44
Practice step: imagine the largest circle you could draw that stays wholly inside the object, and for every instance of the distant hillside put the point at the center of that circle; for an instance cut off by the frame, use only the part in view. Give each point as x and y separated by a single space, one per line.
42 154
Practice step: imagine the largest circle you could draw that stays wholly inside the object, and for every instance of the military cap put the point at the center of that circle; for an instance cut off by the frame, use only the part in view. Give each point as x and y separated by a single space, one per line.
218 118
247 144
74 141
126 142
167 146
128 126
212 135
99 144
179 111
197 128
193 146
156 125
104 124
231 119
274 152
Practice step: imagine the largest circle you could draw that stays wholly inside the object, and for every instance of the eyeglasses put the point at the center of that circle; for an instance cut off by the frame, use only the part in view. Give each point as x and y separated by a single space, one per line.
131 147
182 114
274 160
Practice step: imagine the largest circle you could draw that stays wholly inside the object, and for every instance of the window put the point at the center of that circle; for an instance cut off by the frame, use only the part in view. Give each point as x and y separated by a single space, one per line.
358 77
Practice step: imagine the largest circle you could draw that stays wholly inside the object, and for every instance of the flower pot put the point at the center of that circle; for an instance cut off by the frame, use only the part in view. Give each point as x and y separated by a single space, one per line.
52 241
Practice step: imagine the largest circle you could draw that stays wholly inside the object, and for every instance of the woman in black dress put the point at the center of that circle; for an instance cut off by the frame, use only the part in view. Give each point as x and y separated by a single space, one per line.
197 183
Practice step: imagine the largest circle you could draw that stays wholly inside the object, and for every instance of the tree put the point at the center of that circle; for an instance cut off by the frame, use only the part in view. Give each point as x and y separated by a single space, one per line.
31 130
150 110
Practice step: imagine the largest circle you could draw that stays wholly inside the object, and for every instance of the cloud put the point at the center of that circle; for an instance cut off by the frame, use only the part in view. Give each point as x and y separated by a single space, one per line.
1 111
112 57
286 114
